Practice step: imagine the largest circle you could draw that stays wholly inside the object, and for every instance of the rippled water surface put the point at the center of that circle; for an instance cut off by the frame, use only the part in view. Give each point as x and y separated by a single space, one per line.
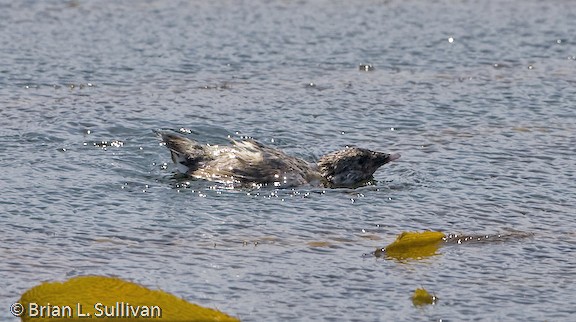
477 96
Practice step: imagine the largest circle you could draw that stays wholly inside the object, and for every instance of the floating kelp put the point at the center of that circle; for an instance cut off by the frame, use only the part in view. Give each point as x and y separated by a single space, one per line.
107 298
512 235
415 245
421 297
320 244
412 245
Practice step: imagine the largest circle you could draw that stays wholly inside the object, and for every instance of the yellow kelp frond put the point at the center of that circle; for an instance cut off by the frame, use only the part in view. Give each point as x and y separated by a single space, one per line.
413 245
106 298
422 297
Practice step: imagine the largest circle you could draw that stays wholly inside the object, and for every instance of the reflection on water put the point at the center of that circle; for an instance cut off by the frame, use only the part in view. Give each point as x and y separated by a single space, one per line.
484 123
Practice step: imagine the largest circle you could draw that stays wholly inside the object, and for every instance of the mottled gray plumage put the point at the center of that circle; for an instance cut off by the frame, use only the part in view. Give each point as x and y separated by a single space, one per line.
352 166
249 163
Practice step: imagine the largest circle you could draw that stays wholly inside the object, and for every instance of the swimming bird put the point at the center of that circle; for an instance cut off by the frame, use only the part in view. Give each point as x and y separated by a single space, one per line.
250 163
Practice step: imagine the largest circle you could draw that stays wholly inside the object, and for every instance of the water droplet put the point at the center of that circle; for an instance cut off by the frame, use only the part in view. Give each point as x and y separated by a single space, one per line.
366 67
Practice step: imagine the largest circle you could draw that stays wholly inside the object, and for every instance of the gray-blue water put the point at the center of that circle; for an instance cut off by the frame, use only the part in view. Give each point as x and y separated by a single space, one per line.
478 96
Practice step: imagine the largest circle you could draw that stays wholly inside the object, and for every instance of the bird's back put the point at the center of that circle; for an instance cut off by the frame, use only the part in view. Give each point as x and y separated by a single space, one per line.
247 163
